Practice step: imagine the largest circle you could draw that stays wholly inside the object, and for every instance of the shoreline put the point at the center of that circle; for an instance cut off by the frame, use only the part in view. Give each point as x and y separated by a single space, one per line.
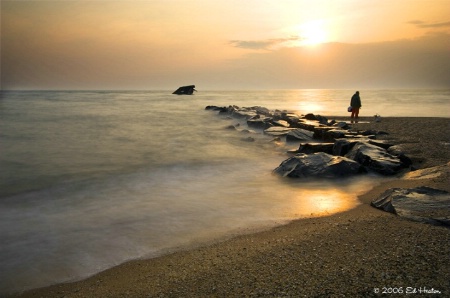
354 252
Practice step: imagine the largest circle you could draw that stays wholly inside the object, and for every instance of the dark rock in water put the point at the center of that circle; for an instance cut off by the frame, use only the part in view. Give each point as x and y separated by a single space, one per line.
308 124
342 146
243 113
185 90
262 111
292 119
299 134
282 123
309 148
423 204
375 158
277 131
342 125
320 132
360 146
331 123
318 165
215 108
320 119
259 123
334 134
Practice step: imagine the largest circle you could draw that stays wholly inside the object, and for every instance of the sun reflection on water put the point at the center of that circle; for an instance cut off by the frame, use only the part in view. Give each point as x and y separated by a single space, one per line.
326 202
324 198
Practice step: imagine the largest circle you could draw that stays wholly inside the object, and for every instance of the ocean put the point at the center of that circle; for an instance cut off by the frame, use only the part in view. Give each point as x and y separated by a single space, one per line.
92 179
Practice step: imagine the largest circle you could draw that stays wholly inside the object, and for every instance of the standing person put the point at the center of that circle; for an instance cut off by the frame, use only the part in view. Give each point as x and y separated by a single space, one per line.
355 103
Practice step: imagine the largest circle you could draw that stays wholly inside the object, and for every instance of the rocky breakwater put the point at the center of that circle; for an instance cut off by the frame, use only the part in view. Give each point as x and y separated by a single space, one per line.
331 149
327 148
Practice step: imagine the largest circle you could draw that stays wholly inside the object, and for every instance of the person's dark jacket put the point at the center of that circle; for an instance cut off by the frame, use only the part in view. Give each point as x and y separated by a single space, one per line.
355 101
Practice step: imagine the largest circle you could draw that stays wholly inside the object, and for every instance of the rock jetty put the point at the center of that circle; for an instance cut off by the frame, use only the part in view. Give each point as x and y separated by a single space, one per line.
327 148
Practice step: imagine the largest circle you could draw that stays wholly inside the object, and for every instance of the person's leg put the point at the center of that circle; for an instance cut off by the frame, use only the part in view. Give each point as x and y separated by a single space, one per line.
355 114
352 116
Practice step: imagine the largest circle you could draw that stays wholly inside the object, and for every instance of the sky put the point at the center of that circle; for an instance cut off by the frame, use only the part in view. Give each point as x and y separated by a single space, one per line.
224 45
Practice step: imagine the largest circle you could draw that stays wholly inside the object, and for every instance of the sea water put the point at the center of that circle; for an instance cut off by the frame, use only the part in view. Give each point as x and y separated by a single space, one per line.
91 179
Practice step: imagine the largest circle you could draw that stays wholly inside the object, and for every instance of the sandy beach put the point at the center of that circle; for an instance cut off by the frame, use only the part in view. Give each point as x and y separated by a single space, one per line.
359 253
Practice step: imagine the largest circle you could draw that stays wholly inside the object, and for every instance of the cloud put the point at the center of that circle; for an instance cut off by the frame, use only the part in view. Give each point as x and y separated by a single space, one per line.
416 63
422 24
264 44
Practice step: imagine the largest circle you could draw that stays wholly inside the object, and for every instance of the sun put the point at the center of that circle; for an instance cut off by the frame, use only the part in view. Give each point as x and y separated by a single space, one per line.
313 33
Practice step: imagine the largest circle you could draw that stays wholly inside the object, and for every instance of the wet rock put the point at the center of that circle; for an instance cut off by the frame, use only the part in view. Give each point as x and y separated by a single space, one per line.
342 146
309 124
320 119
299 134
318 165
215 108
291 118
398 152
423 204
309 148
320 132
375 158
243 113
282 123
334 134
277 131
429 173
259 123
342 125
372 132
381 143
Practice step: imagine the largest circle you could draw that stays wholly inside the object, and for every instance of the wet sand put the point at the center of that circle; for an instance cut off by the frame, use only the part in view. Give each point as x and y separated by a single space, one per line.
361 252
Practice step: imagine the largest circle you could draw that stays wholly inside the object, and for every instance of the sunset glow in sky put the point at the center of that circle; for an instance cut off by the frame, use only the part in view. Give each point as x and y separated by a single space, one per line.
254 44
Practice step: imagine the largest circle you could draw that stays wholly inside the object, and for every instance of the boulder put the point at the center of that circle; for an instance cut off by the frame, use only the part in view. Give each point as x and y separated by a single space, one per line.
291 118
398 151
309 148
215 108
320 132
318 165
259 123
282 123
334 134
341 125
382 144
423 204
342 146
309 124
277 131
429 173
375 158
320 119
243 113
299 134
